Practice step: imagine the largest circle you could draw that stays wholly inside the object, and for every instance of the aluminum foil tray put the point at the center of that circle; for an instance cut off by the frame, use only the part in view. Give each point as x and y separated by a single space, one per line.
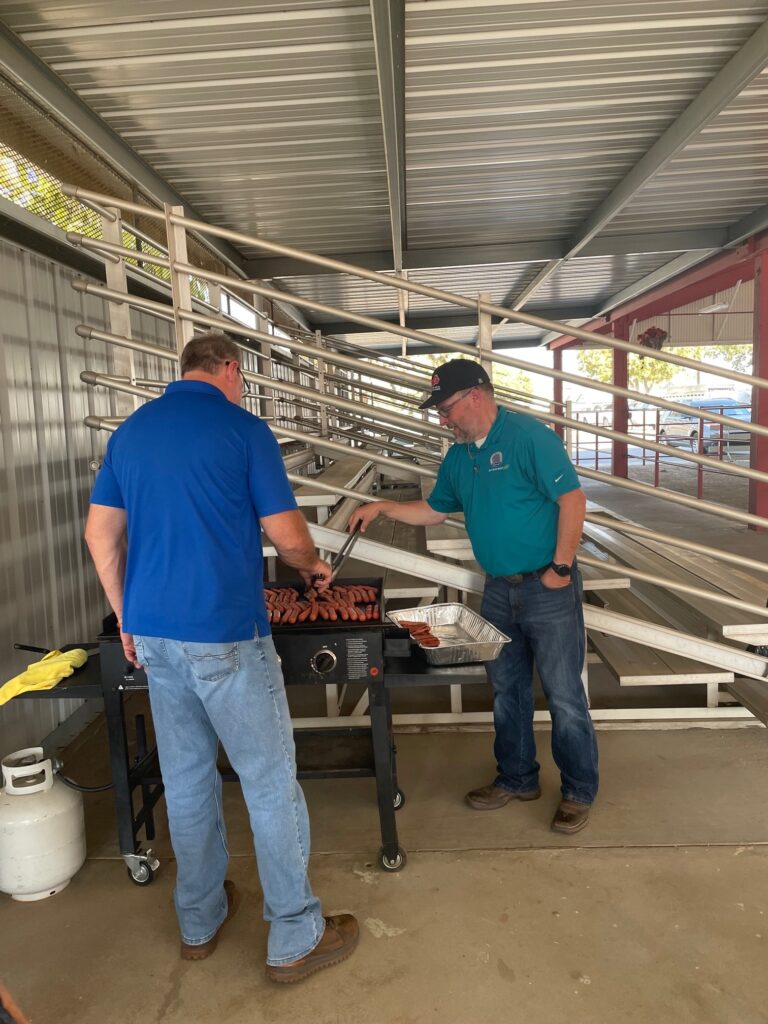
465 636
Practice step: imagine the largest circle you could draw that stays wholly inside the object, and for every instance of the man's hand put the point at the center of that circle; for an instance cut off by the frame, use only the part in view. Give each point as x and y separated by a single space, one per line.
552 581
129 649
319 576
364 515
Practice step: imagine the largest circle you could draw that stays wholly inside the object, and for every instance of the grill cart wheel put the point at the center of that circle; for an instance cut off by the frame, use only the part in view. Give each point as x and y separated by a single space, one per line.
143 875
393 865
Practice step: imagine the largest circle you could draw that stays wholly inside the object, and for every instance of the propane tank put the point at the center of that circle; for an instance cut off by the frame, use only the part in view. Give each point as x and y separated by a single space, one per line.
42 828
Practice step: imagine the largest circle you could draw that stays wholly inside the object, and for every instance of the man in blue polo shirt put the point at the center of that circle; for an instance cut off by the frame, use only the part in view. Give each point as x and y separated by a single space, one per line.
174 529
524 511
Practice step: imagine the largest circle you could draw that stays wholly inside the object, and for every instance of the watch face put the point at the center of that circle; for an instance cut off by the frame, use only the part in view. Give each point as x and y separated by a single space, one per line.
561 569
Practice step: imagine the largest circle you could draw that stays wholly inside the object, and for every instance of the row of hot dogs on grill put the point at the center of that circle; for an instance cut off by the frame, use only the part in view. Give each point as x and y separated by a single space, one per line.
353 602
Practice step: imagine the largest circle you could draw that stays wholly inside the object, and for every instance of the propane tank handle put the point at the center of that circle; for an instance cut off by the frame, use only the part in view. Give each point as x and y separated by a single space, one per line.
13 772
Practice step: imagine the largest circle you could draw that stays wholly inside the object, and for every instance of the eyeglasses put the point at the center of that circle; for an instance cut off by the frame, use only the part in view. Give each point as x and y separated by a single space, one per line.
247 391
444 410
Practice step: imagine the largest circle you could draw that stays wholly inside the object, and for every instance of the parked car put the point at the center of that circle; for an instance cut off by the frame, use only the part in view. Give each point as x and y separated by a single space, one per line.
681 430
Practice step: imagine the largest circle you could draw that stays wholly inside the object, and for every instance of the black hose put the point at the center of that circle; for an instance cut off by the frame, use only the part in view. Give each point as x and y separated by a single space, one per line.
85 789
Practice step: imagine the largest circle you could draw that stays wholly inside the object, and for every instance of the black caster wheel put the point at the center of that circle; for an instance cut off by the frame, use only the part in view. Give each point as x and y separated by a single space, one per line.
399 800
142 875
396 864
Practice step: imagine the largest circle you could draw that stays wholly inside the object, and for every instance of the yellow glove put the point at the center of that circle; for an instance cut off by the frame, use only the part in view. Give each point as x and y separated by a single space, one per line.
44 674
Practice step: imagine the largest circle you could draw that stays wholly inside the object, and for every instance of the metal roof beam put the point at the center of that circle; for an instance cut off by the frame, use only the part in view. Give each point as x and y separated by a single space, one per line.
724 87
705 238
414 348
659 276
388 18
48 91
439 321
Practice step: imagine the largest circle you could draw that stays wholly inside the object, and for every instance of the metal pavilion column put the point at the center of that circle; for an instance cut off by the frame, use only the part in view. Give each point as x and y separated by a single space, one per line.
119 313
758 491
181 290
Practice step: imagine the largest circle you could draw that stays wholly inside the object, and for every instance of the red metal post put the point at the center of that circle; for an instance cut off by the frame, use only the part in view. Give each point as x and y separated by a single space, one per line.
620 410
557 390
758 491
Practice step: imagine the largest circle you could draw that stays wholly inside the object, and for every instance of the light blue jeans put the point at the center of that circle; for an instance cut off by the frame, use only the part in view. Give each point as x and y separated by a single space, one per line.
203 693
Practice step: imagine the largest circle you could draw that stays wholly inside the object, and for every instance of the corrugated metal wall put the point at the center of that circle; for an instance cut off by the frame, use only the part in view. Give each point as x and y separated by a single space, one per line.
49 594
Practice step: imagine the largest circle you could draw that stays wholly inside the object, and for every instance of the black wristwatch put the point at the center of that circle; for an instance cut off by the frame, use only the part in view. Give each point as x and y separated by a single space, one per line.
561 568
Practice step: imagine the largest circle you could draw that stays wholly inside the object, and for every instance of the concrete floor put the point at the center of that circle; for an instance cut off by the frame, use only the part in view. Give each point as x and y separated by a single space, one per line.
659 910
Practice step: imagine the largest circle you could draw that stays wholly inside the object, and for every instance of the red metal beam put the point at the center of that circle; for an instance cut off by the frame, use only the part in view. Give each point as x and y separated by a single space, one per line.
619 456
716 274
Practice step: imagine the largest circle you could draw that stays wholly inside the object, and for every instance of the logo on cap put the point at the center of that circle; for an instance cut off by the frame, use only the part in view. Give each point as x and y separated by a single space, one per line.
435 382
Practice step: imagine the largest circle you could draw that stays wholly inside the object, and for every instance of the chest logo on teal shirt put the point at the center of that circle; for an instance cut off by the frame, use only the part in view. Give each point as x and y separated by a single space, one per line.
497 462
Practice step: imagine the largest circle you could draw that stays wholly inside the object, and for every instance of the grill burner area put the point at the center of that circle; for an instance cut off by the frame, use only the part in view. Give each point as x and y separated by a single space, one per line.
332 650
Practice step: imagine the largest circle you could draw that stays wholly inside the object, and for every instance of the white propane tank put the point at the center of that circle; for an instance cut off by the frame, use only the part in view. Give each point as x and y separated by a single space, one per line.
42 828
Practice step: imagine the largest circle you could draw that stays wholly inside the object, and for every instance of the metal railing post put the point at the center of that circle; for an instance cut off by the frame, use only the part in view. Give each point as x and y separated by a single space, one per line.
181 290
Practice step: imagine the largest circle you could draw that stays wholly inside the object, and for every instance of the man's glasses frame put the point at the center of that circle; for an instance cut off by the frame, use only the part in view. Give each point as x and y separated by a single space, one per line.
247 391
444 411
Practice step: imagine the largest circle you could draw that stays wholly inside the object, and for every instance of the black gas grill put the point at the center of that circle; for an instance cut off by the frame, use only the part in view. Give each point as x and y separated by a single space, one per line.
310 653
332 652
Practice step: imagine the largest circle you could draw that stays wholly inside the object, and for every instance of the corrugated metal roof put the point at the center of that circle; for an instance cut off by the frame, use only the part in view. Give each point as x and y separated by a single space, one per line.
513 334
377 300
598 277
267 119
723 171
521 117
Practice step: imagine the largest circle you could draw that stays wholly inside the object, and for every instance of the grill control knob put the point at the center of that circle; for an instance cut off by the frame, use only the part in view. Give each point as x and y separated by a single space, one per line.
323 661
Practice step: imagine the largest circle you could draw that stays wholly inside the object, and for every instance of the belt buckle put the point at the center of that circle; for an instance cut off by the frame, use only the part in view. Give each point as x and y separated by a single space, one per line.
515 577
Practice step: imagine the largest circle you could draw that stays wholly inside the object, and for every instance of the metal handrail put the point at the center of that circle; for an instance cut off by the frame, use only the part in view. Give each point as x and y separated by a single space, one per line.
426 337
404 284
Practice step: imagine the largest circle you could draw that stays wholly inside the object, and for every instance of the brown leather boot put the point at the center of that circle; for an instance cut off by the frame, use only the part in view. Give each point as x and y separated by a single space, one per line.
490 798
570 817
204 950
339 940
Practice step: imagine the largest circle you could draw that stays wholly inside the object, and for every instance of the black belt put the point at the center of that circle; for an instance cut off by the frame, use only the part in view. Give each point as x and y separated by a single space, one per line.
518 577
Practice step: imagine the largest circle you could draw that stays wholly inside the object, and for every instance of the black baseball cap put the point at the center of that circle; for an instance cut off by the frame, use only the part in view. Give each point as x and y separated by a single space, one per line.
457 375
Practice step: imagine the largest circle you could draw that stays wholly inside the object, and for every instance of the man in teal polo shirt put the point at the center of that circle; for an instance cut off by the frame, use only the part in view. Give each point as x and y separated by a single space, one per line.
524 511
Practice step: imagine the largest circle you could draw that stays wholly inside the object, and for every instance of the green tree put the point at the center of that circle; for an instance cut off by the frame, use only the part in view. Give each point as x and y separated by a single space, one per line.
511 378
35 190
643 374
735 357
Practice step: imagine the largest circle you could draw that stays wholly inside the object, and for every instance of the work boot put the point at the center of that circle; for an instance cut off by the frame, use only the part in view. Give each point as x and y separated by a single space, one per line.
204 949
570 817
490 798
339 940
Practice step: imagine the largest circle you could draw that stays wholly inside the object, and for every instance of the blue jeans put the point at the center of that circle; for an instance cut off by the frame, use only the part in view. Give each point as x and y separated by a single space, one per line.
234 692
546 626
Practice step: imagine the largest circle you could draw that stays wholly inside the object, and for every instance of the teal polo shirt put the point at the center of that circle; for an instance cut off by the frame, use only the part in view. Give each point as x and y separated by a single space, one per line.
508 491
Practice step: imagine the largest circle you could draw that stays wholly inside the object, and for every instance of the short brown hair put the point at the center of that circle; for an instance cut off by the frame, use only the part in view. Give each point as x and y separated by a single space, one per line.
208 351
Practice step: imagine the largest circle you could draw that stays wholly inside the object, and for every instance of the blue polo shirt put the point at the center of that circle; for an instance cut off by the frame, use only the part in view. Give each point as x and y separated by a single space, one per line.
195 473
508 491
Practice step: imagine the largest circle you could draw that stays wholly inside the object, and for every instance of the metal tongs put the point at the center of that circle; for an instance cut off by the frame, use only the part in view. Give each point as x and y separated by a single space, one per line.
343 554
